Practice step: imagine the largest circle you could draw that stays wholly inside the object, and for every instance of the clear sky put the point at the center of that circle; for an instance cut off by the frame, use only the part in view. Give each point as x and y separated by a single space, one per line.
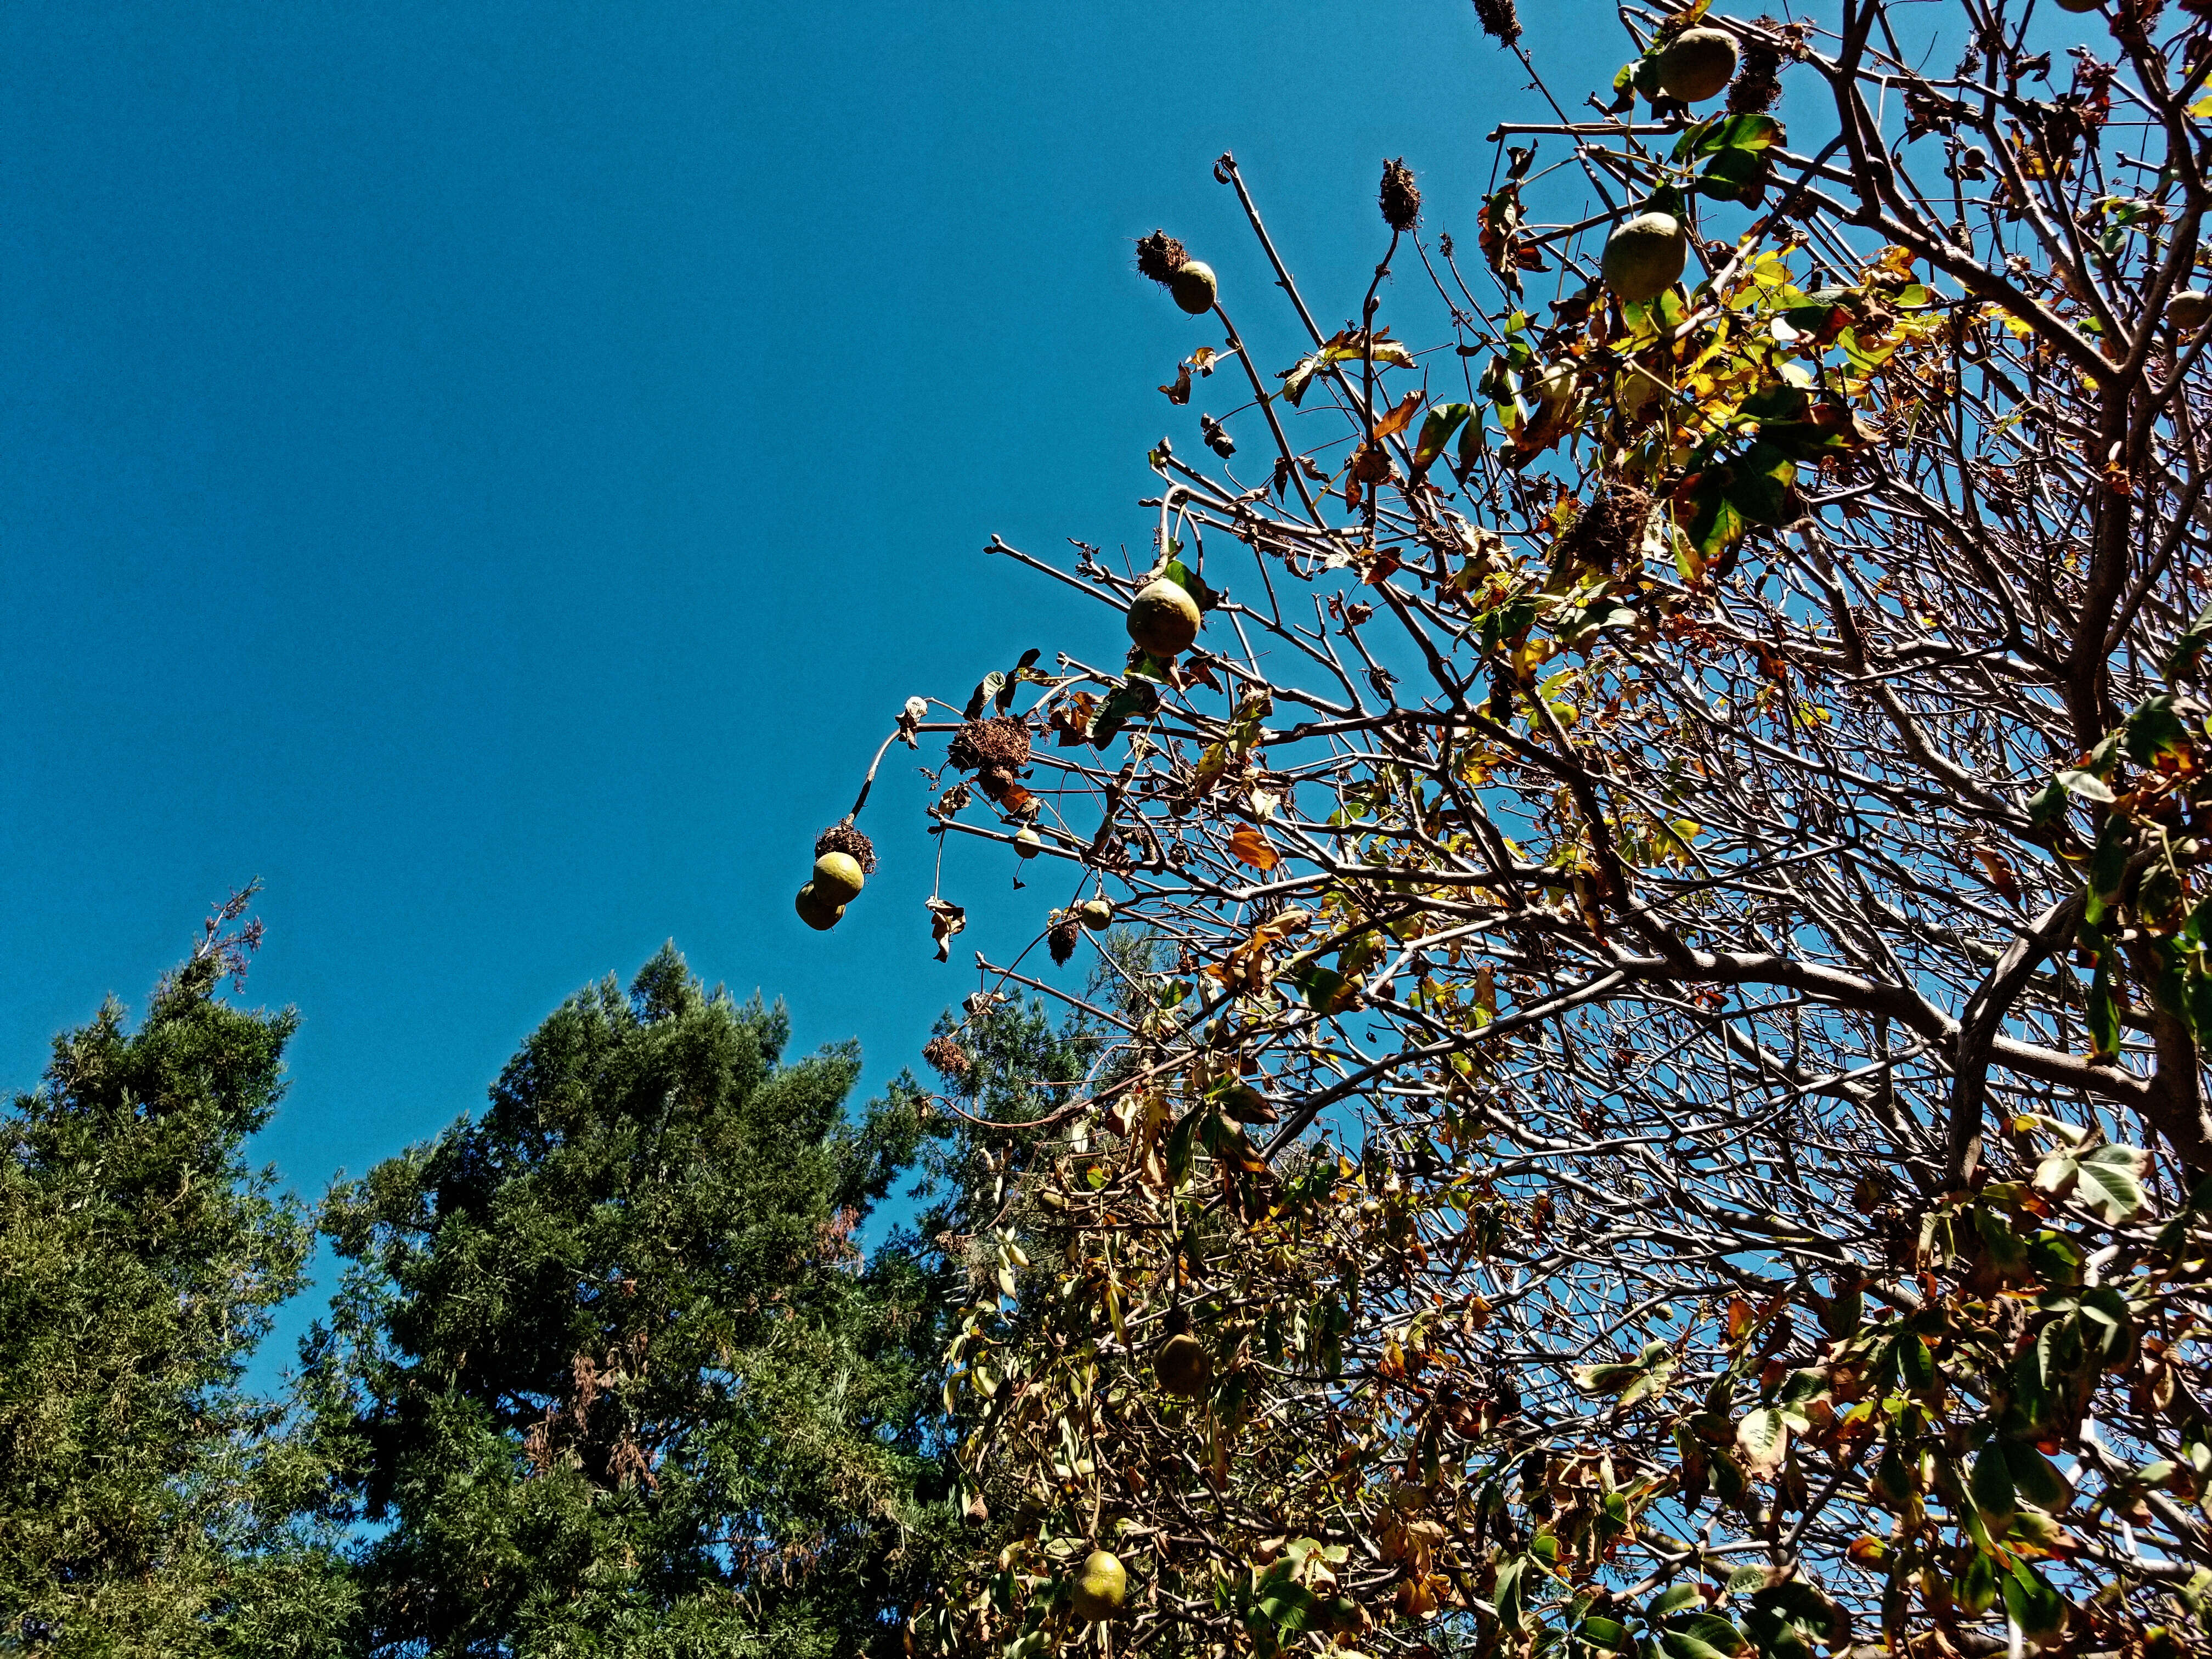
493 470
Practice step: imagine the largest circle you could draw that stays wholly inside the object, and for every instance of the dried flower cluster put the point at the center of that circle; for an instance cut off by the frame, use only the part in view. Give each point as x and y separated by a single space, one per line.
846 838
946 1056
995 749
1402 195
1159 256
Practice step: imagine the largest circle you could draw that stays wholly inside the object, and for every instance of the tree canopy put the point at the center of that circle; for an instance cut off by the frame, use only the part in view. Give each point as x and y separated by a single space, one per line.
608 1367
148 1503
1672 1115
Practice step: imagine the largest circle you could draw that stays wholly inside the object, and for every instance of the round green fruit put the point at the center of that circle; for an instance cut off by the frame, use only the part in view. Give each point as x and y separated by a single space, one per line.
1644 256
817 911
2189 310
1695 65
837 878
1029 844
1101 1587
1193 287
1163 618
1183 1366
1098 915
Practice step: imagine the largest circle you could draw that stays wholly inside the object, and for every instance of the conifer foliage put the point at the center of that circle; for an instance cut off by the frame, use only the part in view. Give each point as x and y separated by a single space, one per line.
608 1368
148 1504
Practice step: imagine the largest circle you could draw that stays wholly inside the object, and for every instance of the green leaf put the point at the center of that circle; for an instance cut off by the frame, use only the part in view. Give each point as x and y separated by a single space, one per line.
2189 648
1606 1379
1183 576
1672 1602
1916 1361
2154 731
1177 1151
1437 428
2038 1480
1135 698
1606 1633
2104 1014
1991 1487
986 688
1322 989
1976 1588
2047 805
1288 1604
2109 1181
2039 1610
1705 1636
2087 785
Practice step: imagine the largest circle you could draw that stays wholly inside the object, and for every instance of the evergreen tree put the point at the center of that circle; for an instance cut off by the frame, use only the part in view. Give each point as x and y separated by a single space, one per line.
148 1504
609 1369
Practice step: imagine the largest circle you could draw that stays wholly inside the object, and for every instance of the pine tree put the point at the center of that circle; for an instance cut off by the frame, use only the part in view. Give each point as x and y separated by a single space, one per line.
609 1369
148 1504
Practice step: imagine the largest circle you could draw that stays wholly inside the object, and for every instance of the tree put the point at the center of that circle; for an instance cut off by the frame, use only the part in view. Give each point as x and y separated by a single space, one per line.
148 1504
608 1367
1676 1120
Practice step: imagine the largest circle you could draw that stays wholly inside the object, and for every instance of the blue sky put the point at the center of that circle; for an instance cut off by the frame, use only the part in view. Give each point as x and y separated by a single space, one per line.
494 471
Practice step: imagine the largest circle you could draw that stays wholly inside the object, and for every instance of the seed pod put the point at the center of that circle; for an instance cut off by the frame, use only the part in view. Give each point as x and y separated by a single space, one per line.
1193 287
1644 256
1163 618
1183 1367
1100 1589
1401 197
837 878
817 911
1695 65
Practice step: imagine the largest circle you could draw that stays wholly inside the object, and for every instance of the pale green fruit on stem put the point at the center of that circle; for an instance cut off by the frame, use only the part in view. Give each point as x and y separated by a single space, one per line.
1163 618
1695 65
837 878
816 911
1644 256
1098 915
1183 1367
2189 310
1193 287
1029 844
1101 1587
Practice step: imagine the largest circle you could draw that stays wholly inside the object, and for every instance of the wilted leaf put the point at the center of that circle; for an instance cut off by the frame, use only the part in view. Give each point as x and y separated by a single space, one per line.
1764 1438
1399 418
944 921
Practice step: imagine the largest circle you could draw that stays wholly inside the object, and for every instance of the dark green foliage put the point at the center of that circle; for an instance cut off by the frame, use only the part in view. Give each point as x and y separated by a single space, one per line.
146 1504
608 1368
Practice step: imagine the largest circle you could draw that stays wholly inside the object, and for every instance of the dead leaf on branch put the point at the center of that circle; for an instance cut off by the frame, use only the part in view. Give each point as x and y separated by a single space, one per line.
1399 418
945 919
